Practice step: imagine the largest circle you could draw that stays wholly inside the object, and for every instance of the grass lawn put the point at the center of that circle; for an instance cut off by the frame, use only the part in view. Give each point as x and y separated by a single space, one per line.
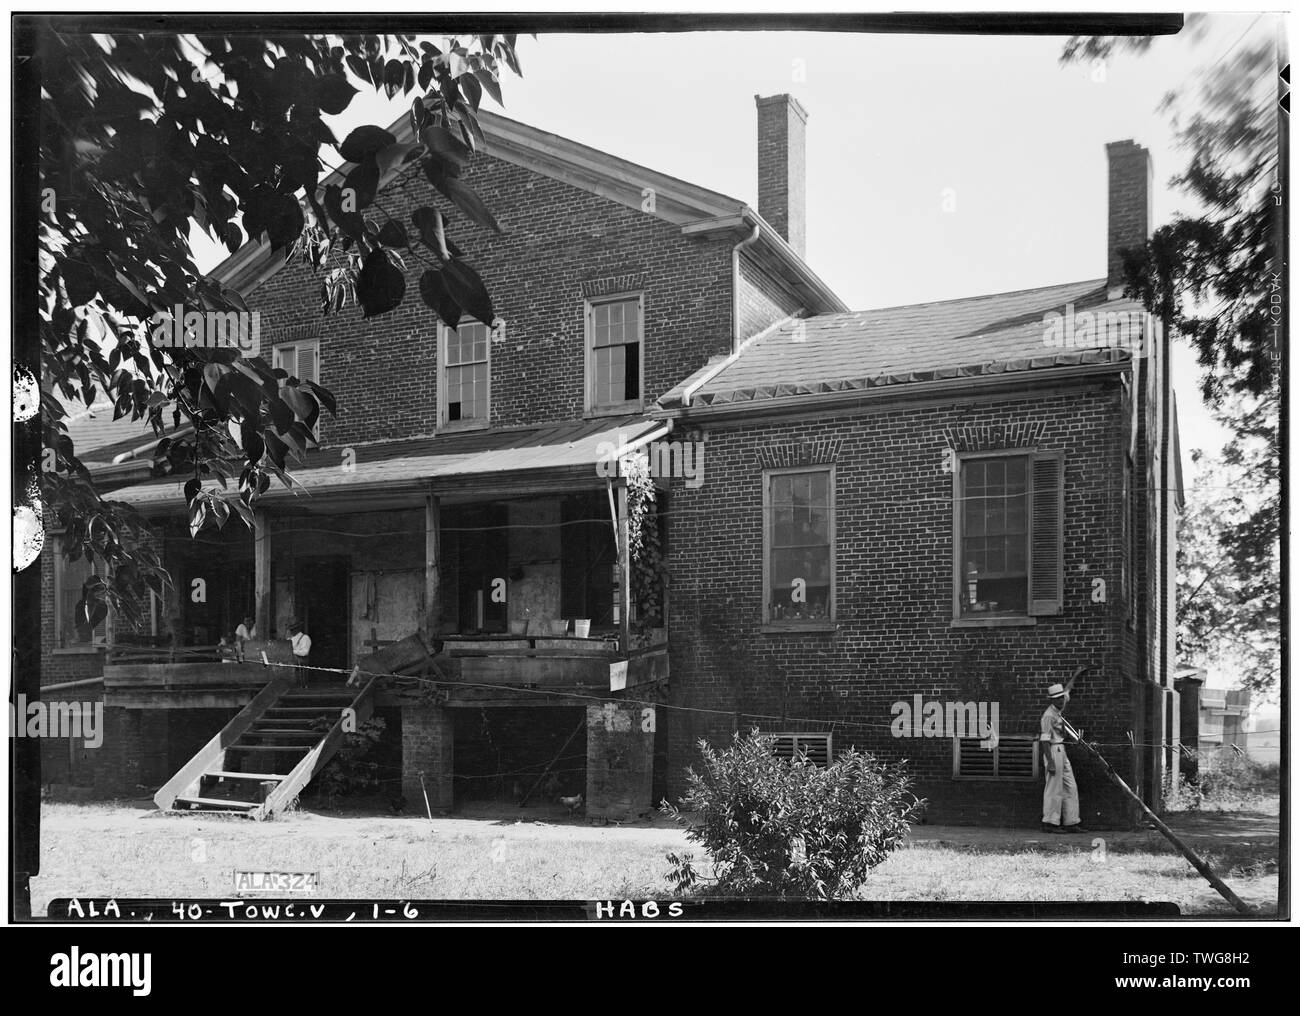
127 851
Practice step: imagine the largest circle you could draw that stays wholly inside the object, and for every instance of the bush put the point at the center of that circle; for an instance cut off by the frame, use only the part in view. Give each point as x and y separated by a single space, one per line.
785 827
350 772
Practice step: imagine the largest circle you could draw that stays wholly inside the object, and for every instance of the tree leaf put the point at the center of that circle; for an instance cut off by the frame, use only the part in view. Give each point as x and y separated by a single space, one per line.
363 181
393 234
192 488
363 141
467 289
380 285
450 151
464 198
334 93
434 293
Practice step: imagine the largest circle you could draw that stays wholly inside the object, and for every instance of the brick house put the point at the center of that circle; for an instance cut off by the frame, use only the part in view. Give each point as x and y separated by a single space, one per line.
459 494
959 503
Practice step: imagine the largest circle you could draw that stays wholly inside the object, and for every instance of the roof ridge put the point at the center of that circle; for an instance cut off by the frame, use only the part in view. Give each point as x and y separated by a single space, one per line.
967 299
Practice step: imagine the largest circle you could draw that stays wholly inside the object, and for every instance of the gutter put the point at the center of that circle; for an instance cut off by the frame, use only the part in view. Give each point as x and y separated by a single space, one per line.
915 389
711 372
735 285
823 301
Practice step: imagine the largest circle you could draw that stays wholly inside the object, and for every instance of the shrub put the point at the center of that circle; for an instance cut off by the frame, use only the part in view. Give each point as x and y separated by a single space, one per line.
785 827
350 771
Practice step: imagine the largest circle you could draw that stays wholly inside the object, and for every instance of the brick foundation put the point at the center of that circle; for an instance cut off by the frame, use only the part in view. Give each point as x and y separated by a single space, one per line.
428 747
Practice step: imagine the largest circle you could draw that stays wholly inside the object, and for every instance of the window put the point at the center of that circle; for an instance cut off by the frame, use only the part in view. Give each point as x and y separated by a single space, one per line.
298 359
799 547
817 747
614 353
69 577
466 375
1008 548
1015 757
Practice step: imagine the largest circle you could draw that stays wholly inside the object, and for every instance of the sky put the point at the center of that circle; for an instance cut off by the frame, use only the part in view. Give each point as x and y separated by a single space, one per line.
937 166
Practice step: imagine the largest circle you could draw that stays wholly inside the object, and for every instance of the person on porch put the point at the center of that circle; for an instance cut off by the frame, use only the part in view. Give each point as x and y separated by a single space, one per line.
246 631
301 643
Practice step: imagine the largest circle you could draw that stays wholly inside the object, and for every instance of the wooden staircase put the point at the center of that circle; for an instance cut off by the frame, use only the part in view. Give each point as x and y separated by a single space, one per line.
264 757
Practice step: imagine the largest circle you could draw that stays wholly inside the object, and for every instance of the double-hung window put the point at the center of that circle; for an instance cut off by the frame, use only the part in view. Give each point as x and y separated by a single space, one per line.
1008 559
465 381
615 353
799 547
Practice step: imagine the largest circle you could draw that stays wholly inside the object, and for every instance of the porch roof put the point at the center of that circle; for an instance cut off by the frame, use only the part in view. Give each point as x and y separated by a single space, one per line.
484 458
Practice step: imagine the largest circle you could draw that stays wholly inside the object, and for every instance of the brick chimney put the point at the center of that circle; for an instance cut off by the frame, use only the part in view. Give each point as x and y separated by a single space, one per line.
782 123
1129 205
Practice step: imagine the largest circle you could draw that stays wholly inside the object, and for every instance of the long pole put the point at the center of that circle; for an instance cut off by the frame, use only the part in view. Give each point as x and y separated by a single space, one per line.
1206 871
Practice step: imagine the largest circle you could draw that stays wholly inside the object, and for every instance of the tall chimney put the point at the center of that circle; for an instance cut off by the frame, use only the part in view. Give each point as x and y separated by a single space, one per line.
1128 207
782 123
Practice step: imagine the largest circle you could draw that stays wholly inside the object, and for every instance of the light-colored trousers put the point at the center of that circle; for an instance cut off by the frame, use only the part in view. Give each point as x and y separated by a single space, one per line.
1060 794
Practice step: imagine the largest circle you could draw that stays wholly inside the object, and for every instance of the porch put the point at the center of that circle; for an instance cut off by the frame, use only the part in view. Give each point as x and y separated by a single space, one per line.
518 582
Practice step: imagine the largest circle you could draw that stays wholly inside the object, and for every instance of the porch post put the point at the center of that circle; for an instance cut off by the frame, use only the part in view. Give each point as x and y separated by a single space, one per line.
624 573
431 557
262 572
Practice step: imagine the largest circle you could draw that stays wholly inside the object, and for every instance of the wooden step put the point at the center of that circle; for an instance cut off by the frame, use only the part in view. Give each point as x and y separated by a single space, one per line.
259 777
302 748
306 710
218 802
315 735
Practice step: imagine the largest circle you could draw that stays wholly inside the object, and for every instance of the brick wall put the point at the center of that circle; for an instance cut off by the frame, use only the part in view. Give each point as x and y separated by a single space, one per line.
561 242
620 762
762 300
894 521
428 747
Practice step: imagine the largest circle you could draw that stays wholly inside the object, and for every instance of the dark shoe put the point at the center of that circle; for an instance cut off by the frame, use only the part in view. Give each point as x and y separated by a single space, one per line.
1052 828
1076 828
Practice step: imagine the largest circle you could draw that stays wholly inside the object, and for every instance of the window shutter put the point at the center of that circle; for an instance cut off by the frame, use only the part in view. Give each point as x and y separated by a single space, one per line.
307 367
1046 542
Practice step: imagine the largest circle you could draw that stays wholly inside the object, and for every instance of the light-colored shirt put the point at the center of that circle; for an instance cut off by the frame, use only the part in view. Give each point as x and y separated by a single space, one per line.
301 643
1052 726
246 634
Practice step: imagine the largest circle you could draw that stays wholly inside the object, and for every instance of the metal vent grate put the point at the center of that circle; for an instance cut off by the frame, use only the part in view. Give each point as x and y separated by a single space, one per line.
817 747
1014 758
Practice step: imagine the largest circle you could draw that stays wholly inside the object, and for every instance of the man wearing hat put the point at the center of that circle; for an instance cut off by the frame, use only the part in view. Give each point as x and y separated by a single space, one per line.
1060 794
301 643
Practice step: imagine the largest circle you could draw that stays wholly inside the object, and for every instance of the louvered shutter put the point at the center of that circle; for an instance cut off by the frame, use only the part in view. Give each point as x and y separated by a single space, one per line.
307 364
1046 542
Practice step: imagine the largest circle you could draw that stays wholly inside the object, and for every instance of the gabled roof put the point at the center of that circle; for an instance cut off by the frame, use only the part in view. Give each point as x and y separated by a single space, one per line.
697 210
829 353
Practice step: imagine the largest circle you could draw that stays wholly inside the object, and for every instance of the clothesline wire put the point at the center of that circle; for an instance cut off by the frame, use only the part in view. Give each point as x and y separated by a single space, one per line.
658 704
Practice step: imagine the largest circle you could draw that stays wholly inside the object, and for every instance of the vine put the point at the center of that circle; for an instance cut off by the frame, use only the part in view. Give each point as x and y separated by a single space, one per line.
649 569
